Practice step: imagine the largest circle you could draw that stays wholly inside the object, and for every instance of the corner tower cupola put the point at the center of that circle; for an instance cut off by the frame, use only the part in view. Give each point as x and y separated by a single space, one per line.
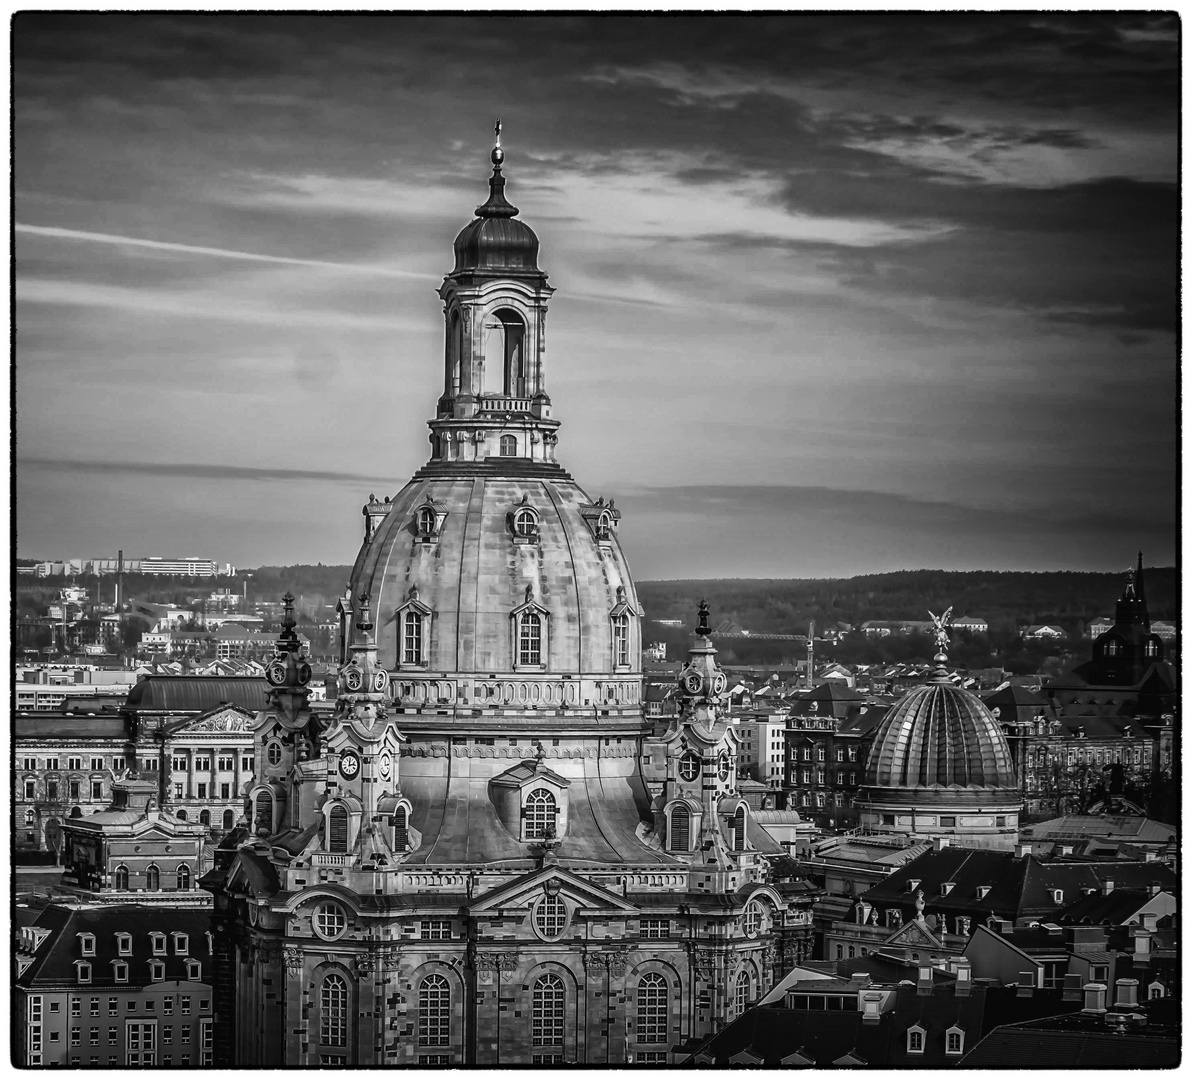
494 413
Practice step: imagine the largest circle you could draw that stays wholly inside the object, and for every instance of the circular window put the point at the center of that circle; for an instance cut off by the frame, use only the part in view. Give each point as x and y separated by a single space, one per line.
689 766
329 921
353 679
692 683
720 683
753 919
722 767
273 753
550 917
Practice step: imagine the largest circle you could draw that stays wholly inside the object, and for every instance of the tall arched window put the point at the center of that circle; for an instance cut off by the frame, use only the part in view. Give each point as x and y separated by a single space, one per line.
525 522
742 992
229 820
547 1004
120 878
457 350
653 1008
264 815
401 831
181 815
508 446
184 877
541 810
152 878
205 817
621 640
337 829
434 1012
412 638
333 1003
739 829
529 639
680 829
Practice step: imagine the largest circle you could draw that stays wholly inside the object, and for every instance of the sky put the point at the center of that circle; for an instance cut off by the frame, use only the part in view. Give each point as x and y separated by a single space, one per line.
836 294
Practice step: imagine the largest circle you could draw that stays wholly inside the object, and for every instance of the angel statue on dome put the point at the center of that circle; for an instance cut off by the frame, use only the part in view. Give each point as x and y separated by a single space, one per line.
941 623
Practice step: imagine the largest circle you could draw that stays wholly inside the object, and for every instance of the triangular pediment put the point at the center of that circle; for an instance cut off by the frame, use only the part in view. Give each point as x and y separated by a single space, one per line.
227 718
524 890
913 933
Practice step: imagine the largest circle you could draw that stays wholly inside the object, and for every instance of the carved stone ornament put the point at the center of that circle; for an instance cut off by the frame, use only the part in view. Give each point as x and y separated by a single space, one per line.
365 965
294 962
617 961
705 961
502 961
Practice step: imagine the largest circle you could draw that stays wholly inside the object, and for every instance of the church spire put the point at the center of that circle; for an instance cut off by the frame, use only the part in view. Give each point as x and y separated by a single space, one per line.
497 205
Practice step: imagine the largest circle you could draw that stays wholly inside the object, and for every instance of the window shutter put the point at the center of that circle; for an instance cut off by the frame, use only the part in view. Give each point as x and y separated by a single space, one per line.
338 829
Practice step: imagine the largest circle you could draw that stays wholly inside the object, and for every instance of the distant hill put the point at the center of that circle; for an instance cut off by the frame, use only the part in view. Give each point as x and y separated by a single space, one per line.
785 606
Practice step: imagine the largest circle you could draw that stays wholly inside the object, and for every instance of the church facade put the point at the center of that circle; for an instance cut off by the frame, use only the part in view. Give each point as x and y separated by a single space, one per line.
487 854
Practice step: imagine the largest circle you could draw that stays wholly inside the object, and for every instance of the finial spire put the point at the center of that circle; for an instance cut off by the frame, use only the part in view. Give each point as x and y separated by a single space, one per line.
941 622
703 629
498 154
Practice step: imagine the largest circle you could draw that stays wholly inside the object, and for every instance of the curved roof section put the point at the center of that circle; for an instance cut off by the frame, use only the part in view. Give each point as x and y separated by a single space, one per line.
195 693
940 736
474 575
496 242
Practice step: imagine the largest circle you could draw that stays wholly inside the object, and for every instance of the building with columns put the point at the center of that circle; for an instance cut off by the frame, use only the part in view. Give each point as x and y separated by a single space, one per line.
488 854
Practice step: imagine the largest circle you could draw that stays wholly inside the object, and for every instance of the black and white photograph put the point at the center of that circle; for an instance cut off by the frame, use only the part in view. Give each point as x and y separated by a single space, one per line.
770 660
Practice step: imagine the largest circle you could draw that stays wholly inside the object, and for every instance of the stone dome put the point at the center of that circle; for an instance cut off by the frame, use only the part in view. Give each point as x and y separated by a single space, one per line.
939 738
474 573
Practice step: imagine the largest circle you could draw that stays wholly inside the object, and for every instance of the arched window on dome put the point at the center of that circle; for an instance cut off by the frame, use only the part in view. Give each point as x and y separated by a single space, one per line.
427 520
529 640
539 814
679 829
508 446
604 526
412 638
621 640
504 354
337 829
455 351
525 523
263 818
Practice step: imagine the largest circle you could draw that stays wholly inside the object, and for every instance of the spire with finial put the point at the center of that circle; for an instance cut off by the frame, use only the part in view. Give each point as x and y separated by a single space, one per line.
703 629
940 631
497 205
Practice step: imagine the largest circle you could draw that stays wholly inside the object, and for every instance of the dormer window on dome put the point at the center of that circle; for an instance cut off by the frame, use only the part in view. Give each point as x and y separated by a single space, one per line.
524 523
428 521
413 637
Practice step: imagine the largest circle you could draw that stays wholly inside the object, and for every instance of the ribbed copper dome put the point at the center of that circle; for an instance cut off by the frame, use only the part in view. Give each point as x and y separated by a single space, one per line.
940 736
496 241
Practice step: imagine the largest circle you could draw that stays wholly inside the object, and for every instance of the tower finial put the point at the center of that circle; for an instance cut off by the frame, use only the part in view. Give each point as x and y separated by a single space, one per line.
940 632
498 154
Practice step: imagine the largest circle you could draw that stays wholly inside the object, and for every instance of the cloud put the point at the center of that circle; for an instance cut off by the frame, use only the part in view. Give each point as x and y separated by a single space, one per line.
54 233
194 470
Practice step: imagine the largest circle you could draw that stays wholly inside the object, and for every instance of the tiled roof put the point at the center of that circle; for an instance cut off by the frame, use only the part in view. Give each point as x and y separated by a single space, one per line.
54 961
52 725
1114 908
1104 826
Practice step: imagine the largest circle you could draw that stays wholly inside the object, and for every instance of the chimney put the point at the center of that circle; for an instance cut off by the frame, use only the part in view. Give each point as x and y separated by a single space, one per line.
1107 888
1021 849
1149 856
1072 988
1127 994
1094 997
871 1008
1154 888
938 843
926 977
964 977
1150 921
1026 984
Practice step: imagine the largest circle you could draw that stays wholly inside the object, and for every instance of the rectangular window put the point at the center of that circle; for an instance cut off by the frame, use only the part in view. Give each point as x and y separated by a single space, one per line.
74 787
181 944
51 763
202 791
142 1043
179 791
167 1035
124 944
227 764
93 1007
93 1037
955 1042
76 1006
52 790
530 640
97 789
246 764
435 930
76 1036
202 764
948 822
655 928
184 1035
113 1006
412 638
225 791
167 1004
30 789
74 763
30 764
178 763
184 1005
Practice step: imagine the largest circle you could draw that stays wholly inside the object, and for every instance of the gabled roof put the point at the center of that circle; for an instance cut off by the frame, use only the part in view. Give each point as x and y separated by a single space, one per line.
520 889
1114 908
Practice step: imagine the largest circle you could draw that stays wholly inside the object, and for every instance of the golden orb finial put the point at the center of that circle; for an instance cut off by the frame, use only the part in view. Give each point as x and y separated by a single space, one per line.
498 154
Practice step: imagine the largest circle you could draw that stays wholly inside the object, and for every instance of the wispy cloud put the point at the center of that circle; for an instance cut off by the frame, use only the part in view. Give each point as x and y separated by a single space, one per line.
196 470
55 233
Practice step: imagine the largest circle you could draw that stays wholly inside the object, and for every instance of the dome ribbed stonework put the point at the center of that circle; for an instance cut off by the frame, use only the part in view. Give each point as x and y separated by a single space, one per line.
939 737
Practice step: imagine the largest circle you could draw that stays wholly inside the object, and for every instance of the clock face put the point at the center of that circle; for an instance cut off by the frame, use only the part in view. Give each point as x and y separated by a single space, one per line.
349 765
385 767
353 679
692 683
722 767
689 766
